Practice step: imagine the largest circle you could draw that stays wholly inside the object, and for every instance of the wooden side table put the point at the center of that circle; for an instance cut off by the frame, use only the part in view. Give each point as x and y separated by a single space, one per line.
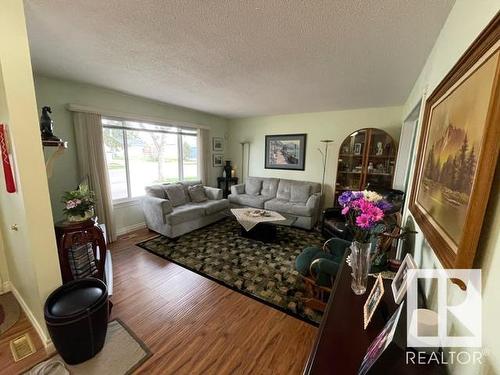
72 234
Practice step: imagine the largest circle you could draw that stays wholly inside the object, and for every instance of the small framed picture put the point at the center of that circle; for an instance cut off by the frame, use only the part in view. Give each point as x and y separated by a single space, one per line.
373 300
399 284
384 339
218 144
218 160
357 148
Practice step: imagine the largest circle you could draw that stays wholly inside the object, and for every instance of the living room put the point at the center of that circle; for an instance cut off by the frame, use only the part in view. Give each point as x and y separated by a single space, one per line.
211 165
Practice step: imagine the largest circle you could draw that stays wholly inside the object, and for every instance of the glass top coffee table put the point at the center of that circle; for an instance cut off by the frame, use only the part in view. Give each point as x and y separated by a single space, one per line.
265 231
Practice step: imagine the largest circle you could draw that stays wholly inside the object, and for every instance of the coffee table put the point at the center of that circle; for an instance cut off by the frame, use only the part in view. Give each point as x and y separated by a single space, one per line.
265 231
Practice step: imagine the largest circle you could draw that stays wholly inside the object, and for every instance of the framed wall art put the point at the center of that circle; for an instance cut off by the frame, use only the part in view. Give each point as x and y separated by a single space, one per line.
287 151
458 152
218 160
218 144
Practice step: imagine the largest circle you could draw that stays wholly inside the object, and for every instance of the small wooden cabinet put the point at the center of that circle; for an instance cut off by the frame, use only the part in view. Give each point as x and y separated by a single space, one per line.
80 242
366 157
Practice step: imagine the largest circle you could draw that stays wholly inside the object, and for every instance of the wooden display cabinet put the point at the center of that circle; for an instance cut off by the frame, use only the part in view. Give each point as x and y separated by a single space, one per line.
367 157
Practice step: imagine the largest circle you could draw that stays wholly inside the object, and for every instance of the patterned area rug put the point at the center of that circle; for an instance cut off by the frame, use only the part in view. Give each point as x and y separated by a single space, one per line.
263 271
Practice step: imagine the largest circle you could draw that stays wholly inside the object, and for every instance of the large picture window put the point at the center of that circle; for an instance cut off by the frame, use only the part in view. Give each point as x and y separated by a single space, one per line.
139 154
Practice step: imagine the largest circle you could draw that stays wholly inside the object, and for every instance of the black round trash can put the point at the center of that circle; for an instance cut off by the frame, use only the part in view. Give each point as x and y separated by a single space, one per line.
76 315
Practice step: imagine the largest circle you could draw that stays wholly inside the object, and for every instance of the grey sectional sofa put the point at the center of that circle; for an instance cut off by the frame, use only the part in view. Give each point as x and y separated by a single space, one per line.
177 214
295 198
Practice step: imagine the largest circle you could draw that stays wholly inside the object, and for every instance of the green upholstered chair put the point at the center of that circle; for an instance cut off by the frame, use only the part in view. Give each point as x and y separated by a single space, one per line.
318 268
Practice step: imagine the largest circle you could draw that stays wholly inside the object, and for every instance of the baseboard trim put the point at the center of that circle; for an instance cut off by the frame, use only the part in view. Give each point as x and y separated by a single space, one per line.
46 341
130 228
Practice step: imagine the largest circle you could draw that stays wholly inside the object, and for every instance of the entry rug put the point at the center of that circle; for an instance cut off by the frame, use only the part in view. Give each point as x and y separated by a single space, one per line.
263 271
10 311
122 353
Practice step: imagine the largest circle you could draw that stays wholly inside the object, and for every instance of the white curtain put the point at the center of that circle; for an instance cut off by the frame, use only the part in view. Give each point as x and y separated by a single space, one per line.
92 164
204 156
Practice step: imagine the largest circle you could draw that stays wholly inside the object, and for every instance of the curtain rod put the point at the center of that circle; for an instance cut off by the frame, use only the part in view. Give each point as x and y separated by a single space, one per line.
131 116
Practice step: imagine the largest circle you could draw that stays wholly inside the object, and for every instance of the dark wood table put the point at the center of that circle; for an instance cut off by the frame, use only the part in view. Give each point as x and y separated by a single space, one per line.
342 342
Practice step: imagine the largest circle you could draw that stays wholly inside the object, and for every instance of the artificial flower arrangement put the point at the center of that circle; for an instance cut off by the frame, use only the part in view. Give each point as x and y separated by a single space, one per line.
79 204
364 211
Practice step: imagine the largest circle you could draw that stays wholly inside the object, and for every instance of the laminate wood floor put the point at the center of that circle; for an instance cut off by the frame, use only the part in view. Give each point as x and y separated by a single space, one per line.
192 325
196 326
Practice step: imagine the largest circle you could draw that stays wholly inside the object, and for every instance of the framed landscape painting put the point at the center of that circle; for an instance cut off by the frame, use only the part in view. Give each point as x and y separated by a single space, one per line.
287 151
458 151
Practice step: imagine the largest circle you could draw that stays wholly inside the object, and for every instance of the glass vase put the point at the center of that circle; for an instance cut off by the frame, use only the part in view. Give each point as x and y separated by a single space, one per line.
360 264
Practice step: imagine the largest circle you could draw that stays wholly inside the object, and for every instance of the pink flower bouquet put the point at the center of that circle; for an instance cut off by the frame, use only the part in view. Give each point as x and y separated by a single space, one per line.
364 211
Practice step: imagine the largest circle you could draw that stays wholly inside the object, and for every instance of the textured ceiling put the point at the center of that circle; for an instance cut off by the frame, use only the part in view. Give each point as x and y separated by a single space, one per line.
240 58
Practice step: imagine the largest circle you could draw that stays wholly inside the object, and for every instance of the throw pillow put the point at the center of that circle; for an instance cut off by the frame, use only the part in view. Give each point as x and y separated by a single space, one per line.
300 193
175 194
197 193
253 186
155 191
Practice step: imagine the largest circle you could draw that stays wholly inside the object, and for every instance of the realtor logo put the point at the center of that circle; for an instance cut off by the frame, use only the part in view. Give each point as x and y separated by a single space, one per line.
466 314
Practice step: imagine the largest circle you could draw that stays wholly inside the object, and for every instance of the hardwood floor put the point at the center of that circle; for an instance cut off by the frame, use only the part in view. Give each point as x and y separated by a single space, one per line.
193 325
7 364
196 326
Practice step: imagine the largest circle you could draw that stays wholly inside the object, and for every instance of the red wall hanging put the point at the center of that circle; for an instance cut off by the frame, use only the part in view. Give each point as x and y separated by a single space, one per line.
7 165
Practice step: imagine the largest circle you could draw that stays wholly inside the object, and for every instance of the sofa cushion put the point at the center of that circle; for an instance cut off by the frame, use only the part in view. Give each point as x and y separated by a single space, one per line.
197 193
280 205
269 187
256 201
187 212
284 190
212 207
156 191
175 194
299 193
253 186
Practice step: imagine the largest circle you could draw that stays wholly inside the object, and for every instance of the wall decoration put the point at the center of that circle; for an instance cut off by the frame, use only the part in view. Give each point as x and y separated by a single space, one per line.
286 151
10 184
399 284
381 342
218 144
218 160
458 152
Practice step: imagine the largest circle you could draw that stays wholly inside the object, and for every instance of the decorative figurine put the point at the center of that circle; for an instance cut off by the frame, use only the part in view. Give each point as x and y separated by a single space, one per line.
227 169
47 126
380 148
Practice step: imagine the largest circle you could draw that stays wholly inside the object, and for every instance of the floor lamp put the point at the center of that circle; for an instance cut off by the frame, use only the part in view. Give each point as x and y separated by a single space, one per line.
324 155
243 160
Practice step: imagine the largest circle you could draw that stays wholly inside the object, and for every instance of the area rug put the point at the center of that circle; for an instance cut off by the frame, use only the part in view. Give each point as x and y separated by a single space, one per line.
122 353
10 311
263 271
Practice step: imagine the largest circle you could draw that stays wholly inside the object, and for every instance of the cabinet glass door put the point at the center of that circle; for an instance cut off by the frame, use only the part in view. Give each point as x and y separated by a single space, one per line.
381 159
350 165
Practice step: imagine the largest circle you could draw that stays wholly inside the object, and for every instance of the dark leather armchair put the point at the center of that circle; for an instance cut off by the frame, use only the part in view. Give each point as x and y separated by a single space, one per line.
333 222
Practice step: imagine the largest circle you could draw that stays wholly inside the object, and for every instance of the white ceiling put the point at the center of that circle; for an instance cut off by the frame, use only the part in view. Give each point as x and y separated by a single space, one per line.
240 58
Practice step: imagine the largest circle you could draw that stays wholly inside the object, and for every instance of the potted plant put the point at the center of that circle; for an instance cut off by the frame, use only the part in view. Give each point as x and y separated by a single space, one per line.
364 212
79 204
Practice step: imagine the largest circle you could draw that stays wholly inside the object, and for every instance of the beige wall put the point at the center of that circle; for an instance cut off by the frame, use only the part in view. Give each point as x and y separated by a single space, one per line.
335 125
465 22
30 252
57 93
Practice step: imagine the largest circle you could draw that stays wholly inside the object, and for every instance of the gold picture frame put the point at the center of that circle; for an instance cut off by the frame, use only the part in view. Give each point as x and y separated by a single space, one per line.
373 300
458 152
